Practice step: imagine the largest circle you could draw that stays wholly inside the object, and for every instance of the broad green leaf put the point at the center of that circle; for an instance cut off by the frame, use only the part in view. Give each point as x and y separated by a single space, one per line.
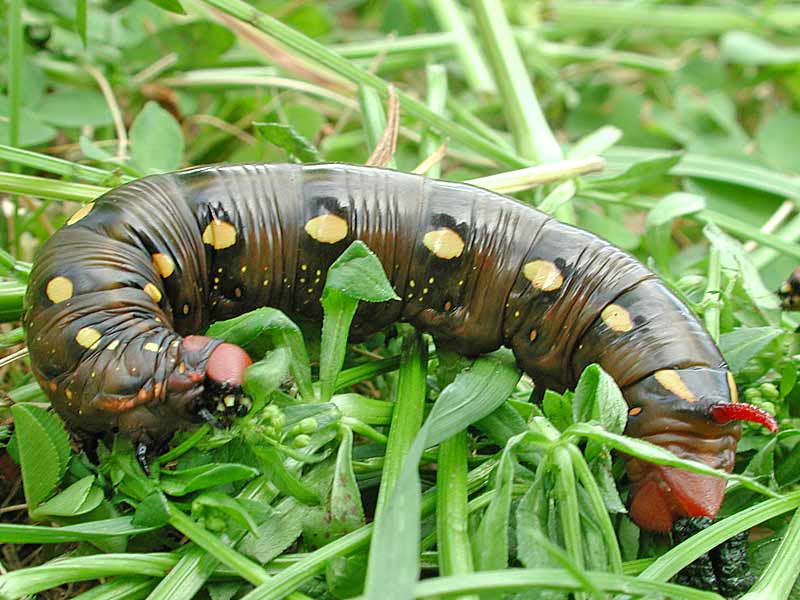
742 344
217 501
745 48
170 5
279 530
43 451
776 139
265 328
74 108
347 513
637 175
79 498
156 140
598 398
287 138
273 467
185 481
92 150
153 511
359 274
265 376
184 40
672 206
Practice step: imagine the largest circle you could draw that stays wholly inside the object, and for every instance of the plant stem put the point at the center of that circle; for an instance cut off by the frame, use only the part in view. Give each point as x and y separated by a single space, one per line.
407 415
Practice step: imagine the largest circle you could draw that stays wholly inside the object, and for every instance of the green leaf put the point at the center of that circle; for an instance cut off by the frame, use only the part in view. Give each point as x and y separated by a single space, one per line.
170 5
476 392
347 513
359 274
80 19
217 501
156 140
672 206
79 498
637 175
745 48
183 41
92 150
273 467
153 511
595 143
742 344
597 398
278 531
356 275
265 376
263 328
777 137
185 481
74 108
44 451
558 408
287 138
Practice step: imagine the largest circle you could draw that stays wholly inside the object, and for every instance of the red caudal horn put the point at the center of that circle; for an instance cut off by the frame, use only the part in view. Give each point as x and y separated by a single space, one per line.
722 413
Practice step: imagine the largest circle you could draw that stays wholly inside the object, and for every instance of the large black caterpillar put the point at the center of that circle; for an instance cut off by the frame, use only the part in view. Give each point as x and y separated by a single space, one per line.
113 293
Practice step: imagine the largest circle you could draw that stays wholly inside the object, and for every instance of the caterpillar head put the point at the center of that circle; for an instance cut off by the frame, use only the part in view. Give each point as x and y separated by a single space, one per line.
223 397
694 413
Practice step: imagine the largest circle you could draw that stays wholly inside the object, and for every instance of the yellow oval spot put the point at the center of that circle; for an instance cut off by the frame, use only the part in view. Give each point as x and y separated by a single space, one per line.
151 347
732 386
444 243
153 292
219 234
673 382
617 318
59 289
327 228
80 213
163 264
237 292
635 411
113 345
448 305
185 309
68 393
543 275
88 337
533 335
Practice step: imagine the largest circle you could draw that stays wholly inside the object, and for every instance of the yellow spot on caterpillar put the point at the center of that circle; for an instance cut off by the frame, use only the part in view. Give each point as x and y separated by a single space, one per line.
431 280
410 296
151 347
533 335
163 264
153 292
617 318
185 309
411 283
237 292
68 393
53 385
182 368
265 282
635 411
88 337
113 345
543 275
302 280
448 305
219 234
80 213
732 386
310 290
216 279
424 290
318 272
58 289
672 381
327 228
303 267
785 288
516 314
444 243
244 269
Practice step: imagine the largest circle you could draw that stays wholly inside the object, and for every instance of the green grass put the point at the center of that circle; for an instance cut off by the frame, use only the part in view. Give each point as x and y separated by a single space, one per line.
369 475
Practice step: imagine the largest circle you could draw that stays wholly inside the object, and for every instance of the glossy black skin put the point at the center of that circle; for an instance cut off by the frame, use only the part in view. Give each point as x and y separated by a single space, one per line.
472 303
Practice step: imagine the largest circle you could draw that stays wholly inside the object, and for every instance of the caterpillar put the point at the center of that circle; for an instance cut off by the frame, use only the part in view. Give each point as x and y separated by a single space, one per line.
117 297
789 292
